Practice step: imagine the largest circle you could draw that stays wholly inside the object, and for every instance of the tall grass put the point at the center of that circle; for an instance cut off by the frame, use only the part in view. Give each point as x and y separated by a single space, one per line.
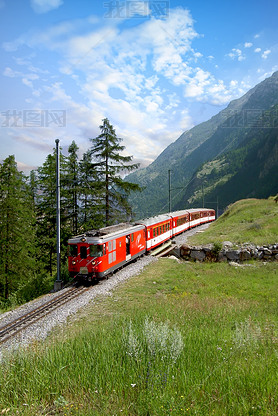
180 339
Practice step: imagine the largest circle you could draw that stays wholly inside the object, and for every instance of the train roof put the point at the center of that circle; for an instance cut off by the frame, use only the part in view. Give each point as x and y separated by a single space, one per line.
154 220
164 217
190 211
106 233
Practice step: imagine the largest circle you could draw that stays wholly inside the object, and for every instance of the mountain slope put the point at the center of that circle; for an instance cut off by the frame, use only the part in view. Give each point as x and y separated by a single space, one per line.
217 136
250 170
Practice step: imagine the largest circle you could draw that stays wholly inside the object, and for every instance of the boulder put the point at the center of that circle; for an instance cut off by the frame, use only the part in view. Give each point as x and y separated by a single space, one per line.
185 250
228 244
233 255
222 256
197 255
244 255
267 252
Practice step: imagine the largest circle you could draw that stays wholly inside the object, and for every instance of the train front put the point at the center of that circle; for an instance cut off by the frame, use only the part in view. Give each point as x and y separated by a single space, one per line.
85 258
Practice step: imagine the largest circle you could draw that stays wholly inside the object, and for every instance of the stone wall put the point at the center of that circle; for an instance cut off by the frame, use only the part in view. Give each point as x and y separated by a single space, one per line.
229 252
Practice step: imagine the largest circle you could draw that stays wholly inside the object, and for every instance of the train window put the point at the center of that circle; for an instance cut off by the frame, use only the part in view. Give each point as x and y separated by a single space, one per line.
110 246
132 237
83 252
73 250
96 250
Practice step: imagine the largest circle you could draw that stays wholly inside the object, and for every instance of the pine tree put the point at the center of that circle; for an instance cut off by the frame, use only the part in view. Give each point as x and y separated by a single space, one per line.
72 184
46 208
17 231
110 164
90 194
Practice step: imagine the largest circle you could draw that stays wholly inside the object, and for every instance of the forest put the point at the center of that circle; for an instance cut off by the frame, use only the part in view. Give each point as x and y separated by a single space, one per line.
93 194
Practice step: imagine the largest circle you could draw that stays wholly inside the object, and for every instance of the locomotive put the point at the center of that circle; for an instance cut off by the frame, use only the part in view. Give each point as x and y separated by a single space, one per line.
98 253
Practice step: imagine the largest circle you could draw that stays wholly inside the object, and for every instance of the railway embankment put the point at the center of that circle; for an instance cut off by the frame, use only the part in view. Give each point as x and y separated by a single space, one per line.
247 230
228 252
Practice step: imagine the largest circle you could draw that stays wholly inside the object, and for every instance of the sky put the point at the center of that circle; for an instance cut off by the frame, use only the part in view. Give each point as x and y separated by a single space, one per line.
154 68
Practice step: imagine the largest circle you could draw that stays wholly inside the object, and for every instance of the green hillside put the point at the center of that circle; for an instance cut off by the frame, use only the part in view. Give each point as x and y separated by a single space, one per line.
248 220
249 170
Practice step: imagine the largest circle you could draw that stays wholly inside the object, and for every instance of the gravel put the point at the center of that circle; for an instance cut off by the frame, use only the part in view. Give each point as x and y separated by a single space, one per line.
40 329
182 238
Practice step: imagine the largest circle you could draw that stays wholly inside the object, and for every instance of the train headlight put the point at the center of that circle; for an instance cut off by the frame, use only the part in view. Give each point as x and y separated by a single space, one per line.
73 262
83 239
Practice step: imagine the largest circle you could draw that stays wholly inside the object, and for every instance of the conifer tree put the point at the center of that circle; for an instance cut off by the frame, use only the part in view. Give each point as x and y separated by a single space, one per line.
17 231
110 165
90 194
72 184
46 208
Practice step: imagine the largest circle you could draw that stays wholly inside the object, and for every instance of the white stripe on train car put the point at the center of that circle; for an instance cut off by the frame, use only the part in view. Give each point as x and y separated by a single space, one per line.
159 239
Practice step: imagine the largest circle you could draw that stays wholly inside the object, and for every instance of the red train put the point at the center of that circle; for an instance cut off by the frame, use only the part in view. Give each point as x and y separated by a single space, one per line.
97 253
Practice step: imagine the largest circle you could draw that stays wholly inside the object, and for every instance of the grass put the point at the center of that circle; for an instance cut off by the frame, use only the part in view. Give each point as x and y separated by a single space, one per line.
180 339
248 220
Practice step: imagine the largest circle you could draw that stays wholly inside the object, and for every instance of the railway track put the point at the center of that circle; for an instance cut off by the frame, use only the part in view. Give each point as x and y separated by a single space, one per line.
24 321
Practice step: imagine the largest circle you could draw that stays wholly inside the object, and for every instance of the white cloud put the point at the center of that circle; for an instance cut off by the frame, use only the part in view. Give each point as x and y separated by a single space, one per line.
266 53
248 44
234 83
11 73
137 76
257 50
236 54
44 6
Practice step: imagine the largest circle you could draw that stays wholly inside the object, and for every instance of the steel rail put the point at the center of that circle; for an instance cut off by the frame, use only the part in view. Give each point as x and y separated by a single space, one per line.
24 321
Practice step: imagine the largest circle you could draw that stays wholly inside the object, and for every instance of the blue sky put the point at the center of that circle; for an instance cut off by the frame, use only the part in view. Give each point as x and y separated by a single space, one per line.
153 68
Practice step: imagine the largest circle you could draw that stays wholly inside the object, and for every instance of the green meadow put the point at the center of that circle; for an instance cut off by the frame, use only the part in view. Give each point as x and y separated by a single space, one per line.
178 339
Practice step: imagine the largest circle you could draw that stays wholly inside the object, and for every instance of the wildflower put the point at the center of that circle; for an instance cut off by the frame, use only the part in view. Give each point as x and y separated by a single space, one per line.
133 385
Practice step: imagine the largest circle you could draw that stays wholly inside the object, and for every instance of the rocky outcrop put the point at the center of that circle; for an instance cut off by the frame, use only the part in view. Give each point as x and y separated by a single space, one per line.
229 252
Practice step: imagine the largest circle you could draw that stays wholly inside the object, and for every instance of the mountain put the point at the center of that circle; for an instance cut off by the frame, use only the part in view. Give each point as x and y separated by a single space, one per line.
250 170
210 155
